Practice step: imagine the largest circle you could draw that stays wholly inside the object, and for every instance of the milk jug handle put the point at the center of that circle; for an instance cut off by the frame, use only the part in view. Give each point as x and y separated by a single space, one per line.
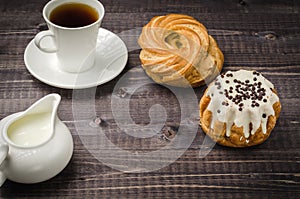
3 155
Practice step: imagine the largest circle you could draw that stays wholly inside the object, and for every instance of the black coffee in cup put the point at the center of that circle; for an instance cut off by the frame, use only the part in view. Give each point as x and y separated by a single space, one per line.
73 15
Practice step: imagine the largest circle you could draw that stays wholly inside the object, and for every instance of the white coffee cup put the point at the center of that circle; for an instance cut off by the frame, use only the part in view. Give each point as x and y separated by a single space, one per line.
75 47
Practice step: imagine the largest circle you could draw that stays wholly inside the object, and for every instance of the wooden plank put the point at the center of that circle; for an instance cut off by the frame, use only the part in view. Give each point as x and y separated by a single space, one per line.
260 35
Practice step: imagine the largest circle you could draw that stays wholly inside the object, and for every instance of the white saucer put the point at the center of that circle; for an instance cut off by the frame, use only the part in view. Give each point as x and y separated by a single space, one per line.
111 58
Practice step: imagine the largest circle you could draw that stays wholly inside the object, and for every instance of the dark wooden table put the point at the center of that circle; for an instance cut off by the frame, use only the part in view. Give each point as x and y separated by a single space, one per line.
260 35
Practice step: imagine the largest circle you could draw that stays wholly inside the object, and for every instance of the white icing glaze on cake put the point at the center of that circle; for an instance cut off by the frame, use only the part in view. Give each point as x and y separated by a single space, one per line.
244 98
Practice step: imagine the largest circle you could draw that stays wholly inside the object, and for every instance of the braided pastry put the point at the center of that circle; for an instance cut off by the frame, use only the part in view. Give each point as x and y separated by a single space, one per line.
177 51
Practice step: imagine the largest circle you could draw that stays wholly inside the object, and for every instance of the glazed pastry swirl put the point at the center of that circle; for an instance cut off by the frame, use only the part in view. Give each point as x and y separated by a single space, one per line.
177 50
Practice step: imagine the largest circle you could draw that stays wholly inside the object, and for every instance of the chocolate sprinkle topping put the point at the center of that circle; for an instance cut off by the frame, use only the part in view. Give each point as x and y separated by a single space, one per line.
244 95
244 90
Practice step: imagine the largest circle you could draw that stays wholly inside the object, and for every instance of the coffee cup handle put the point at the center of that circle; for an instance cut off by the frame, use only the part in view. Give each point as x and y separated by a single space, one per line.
3 155
42 35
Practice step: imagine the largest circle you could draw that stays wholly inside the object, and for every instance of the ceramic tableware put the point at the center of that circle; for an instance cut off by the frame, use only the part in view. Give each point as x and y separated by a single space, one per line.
74 44
111 58
34 145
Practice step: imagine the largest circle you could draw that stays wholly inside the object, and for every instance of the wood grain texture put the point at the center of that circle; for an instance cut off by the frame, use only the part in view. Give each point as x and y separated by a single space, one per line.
260 35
